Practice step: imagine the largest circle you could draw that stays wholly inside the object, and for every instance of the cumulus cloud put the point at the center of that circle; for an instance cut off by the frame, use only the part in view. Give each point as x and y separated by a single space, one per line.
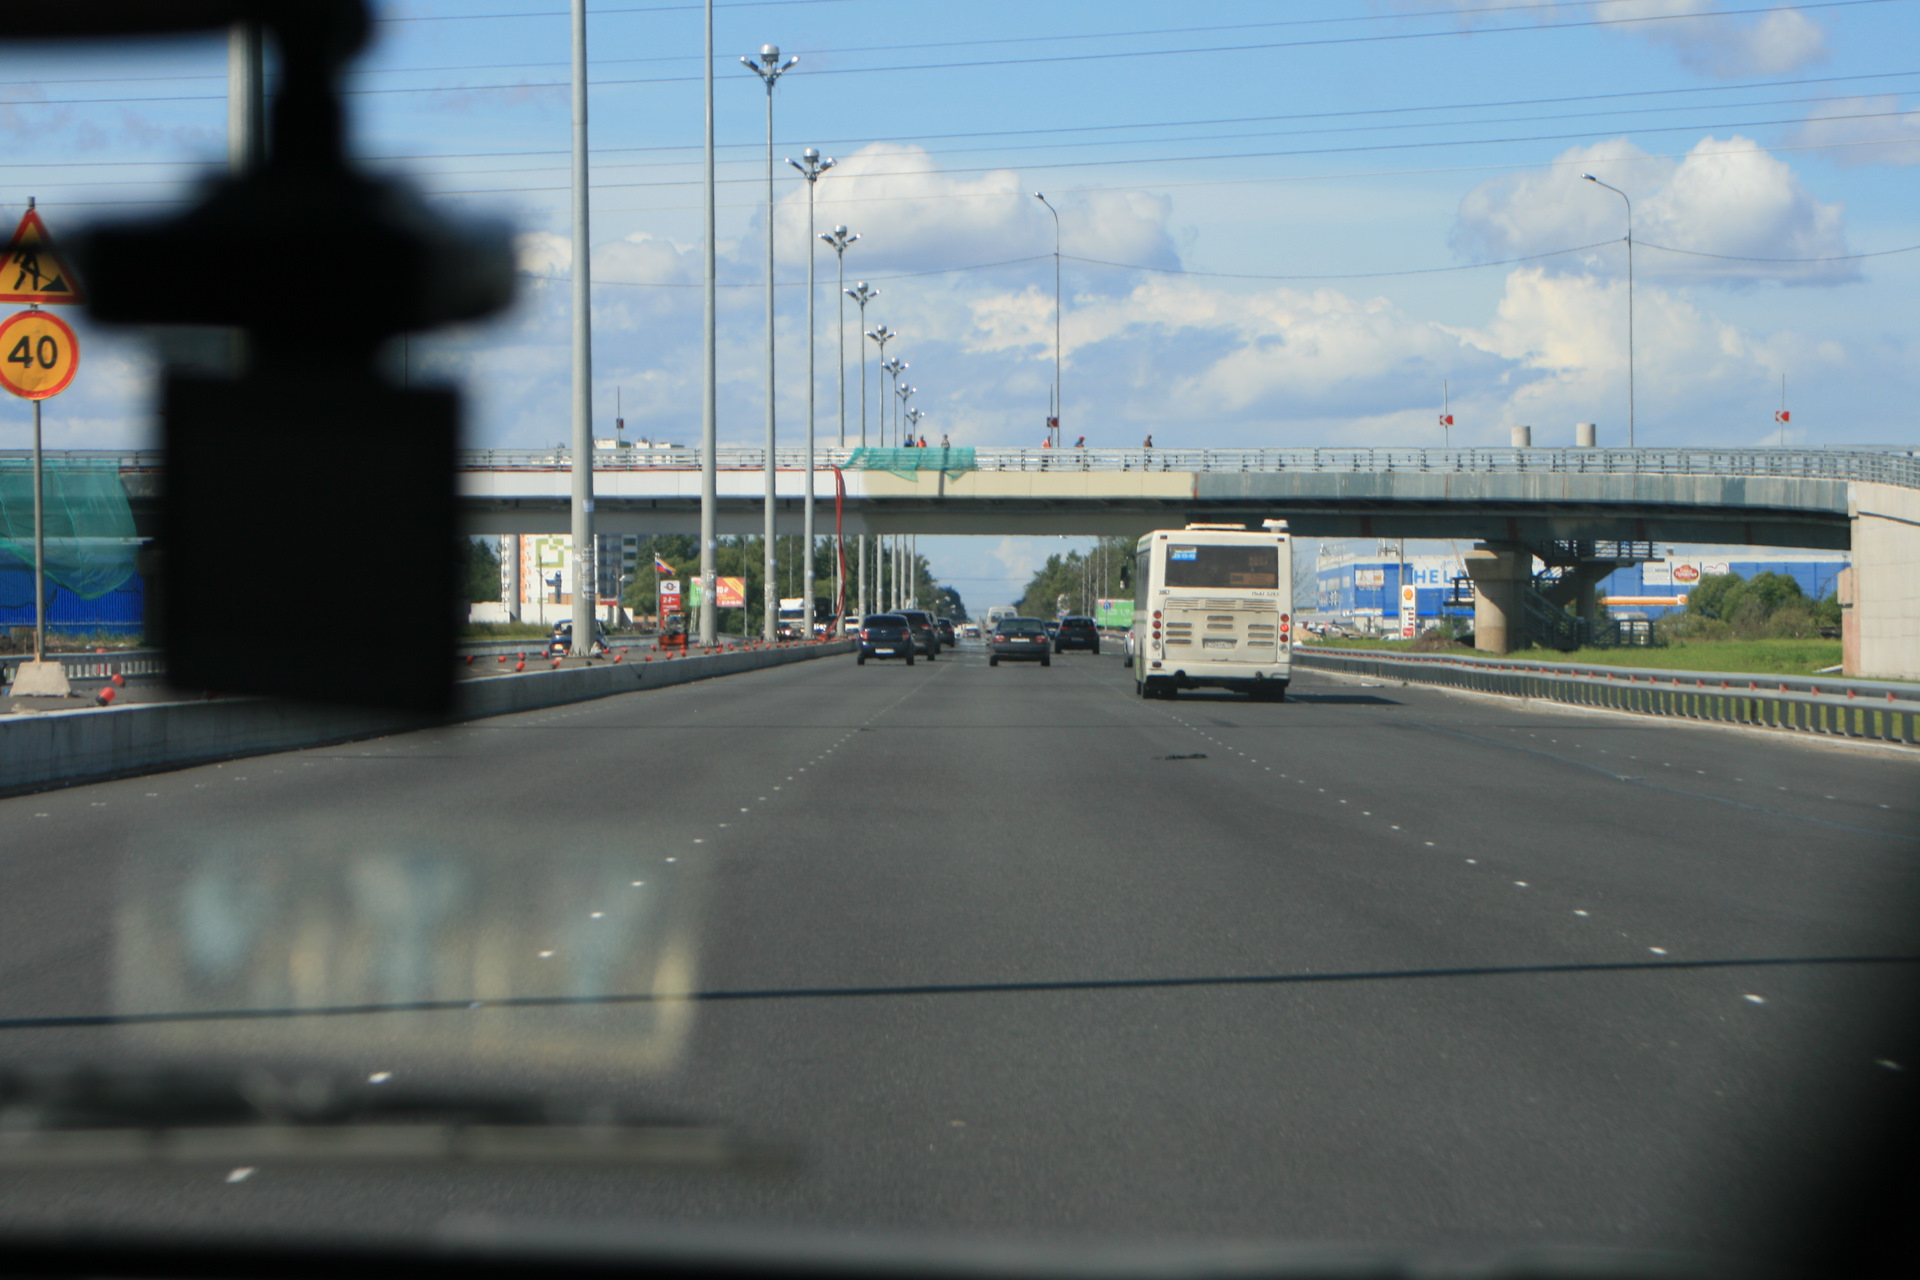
910 215
1873 130
1728 197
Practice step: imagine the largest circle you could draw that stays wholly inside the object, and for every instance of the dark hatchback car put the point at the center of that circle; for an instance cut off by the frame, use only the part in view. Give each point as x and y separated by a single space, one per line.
948 636
926 636
884 635
1076 633
1020 639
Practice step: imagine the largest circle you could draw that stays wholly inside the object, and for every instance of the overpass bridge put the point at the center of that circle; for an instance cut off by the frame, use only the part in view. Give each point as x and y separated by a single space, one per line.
1510 501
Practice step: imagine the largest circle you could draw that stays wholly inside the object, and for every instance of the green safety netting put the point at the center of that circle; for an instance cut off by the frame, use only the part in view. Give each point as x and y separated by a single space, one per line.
89 527
905 463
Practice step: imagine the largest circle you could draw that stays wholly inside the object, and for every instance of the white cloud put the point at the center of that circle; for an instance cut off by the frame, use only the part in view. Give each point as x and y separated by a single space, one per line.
1727 196
912 216
1702 33
1848 124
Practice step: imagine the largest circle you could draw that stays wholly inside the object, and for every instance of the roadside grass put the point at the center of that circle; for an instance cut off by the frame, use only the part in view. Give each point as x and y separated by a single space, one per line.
1753 657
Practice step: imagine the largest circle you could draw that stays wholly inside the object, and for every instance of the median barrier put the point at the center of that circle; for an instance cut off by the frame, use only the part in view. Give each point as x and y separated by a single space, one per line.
1876 710
63 748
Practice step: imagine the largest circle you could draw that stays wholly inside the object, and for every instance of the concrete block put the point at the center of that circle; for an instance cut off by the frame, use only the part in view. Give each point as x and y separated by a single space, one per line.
46 679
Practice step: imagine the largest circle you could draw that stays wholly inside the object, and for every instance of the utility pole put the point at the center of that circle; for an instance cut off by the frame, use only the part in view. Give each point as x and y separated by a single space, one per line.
709 400
769 69
1629 199
811 171
585 578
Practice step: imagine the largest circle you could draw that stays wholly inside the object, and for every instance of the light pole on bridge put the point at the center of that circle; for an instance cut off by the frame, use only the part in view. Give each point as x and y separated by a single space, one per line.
811 170
1623 195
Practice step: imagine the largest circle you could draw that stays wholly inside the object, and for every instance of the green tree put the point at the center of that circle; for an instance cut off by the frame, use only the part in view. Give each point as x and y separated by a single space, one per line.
481 571
1717 596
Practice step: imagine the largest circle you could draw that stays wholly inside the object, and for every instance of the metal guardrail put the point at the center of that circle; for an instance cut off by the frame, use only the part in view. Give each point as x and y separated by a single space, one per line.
1866 709
1896 465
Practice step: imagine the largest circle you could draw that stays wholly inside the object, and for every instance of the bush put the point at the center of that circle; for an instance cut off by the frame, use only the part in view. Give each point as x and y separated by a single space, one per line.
1729 607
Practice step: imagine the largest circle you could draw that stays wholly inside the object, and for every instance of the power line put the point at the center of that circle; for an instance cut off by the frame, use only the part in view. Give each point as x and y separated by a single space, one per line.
1729 257
1349 275
1056 58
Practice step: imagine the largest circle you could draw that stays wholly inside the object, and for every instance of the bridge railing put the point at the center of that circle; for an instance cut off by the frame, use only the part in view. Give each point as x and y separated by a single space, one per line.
1888 465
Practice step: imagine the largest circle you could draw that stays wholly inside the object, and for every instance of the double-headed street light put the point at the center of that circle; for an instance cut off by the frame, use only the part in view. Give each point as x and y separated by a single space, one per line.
769 69
905 394
889 368
862 293
811 170
838 239
1623 195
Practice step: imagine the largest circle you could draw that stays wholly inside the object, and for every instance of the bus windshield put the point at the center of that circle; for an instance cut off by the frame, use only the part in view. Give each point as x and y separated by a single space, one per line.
1223 566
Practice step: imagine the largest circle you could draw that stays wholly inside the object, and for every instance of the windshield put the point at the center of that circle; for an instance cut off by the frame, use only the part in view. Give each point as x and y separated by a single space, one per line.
442 797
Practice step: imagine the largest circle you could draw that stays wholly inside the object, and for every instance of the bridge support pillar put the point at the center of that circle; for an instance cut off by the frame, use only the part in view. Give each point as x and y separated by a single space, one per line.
1501 573
1884 619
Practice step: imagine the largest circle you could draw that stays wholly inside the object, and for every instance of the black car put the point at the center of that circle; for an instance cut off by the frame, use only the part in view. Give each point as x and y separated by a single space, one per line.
1076 633
885 635
1020 639
926 636
947 634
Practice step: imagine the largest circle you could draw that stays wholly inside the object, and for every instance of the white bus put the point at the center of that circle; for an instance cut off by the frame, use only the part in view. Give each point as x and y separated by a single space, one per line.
1212 607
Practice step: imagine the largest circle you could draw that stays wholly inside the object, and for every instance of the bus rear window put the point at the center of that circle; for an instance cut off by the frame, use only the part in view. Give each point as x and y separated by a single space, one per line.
1223 566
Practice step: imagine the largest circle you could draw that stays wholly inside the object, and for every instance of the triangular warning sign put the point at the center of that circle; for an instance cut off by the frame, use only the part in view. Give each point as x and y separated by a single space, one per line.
31 269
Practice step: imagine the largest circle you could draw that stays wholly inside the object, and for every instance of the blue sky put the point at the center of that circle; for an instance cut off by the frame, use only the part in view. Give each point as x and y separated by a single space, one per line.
1298 152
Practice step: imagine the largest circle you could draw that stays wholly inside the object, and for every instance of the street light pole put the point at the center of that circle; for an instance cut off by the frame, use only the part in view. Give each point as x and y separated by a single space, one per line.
862 294
769 69
1058 436
811 170
586 585
838 239
1623 195
709 401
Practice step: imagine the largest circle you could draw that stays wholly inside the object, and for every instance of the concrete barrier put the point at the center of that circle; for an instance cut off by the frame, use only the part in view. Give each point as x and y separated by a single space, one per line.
63 748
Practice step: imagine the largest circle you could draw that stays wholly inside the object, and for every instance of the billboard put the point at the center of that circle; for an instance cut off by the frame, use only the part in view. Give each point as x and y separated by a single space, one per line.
729 593
1117 614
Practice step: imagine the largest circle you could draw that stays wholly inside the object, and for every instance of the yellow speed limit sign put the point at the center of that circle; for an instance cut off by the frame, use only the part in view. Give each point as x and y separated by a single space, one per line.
38 354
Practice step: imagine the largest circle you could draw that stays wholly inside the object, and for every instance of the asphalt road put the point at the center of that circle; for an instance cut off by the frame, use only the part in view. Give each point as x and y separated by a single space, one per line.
1014 951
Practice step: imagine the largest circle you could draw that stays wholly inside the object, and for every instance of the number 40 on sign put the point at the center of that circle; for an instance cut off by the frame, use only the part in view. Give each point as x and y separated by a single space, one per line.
38 354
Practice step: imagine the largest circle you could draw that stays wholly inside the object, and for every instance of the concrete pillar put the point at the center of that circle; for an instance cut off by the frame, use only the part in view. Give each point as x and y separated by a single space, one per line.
1587 603
1500 573
1522 437
1585 435
510 574
1885 582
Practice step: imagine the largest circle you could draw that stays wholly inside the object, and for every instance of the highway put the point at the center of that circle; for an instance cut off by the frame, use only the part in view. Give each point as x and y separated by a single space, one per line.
1014 950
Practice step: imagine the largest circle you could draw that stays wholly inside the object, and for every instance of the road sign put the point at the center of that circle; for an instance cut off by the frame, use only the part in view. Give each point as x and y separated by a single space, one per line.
32 270
1409 611
38 354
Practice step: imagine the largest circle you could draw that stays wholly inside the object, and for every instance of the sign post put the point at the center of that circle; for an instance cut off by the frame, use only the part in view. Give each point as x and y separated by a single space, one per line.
1409 610
38 357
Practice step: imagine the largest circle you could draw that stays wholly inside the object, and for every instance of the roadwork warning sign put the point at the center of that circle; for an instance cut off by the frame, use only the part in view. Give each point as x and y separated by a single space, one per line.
31 270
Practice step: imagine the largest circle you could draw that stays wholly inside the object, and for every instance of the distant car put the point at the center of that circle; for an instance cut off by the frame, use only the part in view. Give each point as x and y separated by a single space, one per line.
1076 633
787 631
970 631
560 643
1020 639
1052 627
849 626
884 635
926 636
947 635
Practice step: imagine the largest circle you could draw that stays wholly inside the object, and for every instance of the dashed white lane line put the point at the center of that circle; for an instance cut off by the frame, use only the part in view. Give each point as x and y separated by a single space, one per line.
1754 999
1659 951
241 1174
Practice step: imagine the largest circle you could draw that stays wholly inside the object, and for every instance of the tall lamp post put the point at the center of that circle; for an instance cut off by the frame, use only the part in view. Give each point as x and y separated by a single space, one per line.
881 336
1623 195
862 294
811 170
1055 424
769 69
586 583
905 394
838 239
709 397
